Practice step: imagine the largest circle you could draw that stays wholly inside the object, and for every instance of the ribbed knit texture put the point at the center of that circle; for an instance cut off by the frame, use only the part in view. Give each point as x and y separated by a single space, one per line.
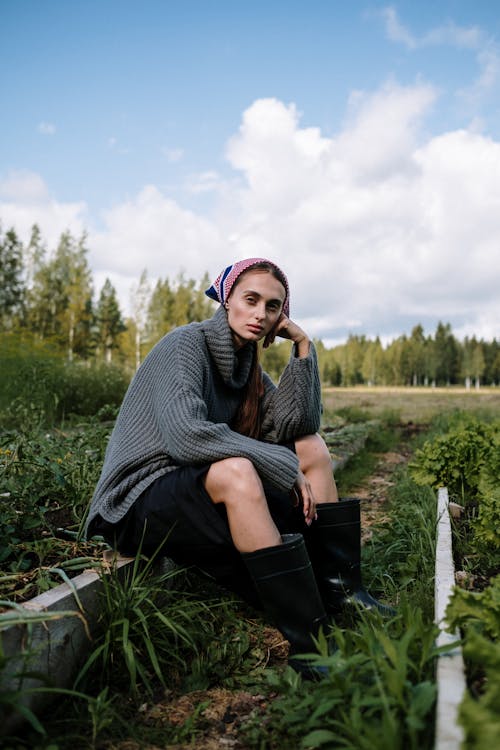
178 408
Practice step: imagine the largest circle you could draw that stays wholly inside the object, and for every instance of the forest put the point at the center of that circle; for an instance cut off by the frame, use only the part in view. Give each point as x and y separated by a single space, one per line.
48 301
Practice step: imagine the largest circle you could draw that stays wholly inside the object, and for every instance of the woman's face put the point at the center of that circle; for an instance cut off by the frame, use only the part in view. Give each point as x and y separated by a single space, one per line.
254 306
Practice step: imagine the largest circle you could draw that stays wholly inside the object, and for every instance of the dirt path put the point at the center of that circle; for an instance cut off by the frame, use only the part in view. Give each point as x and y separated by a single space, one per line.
373 492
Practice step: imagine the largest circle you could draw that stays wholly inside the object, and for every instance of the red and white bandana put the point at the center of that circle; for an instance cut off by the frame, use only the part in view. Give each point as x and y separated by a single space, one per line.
221 288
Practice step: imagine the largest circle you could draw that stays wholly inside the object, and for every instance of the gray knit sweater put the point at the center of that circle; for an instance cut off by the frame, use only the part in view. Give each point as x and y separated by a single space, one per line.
179 405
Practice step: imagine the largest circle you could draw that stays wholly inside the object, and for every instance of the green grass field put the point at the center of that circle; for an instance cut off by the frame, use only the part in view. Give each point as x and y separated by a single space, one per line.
418 405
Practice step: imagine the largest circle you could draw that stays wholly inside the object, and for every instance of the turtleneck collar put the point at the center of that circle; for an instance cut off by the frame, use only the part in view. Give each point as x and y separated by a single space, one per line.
234 367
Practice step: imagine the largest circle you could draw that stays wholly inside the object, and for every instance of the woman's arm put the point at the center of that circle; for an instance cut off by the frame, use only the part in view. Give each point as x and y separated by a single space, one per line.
293 408
180 394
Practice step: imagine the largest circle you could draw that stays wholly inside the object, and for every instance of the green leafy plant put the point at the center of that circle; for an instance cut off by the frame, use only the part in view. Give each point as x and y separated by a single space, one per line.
455 459
487 524
478 616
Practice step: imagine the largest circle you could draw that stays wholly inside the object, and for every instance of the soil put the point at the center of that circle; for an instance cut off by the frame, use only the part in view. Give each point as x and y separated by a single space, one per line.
226 710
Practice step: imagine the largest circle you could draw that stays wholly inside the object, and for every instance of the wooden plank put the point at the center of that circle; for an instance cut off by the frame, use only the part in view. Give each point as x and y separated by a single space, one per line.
450 675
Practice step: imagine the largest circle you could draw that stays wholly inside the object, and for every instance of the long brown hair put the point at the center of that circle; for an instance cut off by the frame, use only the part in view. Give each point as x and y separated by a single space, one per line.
248 418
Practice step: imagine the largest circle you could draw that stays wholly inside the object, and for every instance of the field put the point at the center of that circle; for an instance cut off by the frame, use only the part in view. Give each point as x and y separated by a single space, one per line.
418 405
217 674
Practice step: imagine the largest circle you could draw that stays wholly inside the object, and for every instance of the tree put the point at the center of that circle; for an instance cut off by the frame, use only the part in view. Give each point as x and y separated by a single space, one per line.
34 255
393 362
202 307
372 366
275 358
12 289
140 296
416 355
60 298
478 364
491 350
351 359
446 353
466 364
160 310
109 323
78 313
177 303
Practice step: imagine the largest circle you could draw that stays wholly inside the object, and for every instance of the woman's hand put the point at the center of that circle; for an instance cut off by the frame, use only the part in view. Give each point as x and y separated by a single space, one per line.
304 494
287 329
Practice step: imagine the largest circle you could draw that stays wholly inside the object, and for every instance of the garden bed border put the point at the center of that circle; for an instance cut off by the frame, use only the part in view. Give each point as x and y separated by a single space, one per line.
450 674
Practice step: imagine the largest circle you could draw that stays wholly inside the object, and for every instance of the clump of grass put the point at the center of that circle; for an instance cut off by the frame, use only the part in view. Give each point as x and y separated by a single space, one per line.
162 634
380 689
146 628
401 553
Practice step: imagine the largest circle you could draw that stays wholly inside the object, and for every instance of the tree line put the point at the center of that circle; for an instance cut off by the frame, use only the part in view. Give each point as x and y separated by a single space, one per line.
50 297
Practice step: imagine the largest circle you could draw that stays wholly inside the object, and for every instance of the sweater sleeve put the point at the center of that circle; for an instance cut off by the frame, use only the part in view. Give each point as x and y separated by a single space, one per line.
191 438
293 408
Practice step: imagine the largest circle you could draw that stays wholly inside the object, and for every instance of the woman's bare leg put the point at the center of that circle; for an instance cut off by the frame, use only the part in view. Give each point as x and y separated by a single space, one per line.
316 464
235 482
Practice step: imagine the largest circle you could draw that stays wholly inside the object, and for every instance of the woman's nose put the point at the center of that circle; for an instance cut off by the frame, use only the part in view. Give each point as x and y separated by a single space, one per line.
260 312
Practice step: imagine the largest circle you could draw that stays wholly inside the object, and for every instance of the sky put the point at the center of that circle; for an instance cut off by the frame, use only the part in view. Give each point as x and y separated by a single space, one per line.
355 144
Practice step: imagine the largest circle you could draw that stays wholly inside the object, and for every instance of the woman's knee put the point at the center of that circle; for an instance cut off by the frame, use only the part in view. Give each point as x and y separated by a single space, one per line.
232 478
313 453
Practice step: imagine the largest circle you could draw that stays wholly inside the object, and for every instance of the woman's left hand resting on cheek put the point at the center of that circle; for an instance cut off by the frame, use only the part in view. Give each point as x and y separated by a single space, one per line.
285 328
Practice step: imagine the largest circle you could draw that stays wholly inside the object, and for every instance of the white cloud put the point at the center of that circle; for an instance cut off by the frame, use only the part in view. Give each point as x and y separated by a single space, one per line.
377 223
205 182
152 231
46 128
470 38
379 226
395 30
25 200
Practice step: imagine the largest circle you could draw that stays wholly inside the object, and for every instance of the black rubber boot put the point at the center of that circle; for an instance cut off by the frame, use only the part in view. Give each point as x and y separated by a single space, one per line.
285 582
334 545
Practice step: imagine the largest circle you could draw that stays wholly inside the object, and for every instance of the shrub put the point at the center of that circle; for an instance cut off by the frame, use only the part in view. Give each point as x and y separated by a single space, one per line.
39 387
455 459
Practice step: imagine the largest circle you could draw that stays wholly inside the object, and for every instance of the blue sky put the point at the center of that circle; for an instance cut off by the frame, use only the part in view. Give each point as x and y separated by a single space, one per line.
341 139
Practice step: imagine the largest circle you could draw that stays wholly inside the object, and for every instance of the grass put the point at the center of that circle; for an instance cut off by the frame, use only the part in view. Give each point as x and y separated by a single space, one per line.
417 405
157 645
380 689
363 463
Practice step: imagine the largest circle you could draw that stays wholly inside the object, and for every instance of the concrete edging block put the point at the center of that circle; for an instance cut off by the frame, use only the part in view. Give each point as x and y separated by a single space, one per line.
450 675
56 648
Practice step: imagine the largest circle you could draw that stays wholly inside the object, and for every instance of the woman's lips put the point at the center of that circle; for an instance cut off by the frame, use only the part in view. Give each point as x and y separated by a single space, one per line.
254 328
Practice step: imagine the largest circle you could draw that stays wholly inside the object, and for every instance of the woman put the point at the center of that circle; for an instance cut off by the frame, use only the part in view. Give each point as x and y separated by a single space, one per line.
213 464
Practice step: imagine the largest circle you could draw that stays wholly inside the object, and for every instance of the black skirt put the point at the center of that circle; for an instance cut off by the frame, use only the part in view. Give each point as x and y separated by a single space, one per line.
176 518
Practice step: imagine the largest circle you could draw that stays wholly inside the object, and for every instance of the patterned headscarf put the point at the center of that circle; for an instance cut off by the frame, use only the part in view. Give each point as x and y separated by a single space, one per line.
221 288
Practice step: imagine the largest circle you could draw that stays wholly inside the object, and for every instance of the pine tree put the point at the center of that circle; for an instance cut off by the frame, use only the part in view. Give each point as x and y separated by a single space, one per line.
109 322
12 289
60 298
